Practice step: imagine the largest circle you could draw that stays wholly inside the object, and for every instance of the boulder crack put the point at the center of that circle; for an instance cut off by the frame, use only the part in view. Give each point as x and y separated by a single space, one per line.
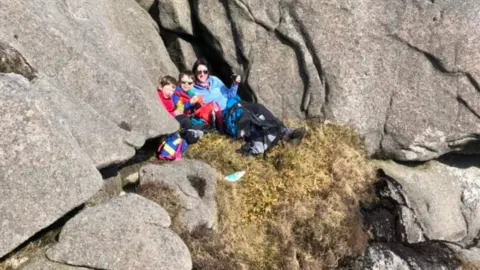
12 61
436 63
468 107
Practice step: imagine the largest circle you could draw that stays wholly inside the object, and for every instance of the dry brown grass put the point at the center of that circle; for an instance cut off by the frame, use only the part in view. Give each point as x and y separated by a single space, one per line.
471 265
297 209
29 251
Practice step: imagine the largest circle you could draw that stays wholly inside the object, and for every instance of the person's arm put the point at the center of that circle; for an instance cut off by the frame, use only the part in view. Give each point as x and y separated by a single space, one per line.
227 92
191 93
179 106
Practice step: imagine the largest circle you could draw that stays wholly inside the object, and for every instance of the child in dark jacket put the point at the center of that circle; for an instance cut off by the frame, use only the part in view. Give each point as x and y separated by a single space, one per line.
165 90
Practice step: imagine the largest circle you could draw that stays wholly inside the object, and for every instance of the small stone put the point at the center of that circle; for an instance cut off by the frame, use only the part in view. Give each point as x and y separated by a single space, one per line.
132 178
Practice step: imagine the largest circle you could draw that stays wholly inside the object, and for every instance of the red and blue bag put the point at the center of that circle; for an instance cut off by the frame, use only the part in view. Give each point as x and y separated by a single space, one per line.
172 148
211 114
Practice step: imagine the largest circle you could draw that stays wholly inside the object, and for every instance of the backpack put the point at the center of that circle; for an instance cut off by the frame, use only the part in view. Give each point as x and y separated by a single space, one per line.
236 121
259 133
172 148
211 114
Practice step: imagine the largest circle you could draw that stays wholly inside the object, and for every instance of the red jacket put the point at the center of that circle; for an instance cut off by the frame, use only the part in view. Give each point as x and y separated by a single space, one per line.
167 103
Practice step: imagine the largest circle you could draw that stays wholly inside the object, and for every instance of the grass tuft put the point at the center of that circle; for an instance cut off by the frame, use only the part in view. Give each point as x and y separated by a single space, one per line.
297 209
471 265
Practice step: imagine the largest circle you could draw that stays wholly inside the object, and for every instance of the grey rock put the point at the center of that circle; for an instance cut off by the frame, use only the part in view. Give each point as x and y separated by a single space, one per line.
184 54
132 178
439 199
413 232
194 183
11 61
111 188
213 16
106 83
423 256
42 263
145 4
403 73
379 258
128 232
176 16
43 172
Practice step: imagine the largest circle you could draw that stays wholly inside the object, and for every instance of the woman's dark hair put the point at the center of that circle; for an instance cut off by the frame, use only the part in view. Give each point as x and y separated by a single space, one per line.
200 61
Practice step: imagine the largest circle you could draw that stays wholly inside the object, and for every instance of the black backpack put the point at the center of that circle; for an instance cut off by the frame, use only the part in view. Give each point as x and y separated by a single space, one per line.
256 130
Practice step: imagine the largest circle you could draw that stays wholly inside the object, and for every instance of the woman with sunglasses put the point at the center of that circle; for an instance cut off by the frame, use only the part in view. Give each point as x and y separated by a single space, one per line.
213 89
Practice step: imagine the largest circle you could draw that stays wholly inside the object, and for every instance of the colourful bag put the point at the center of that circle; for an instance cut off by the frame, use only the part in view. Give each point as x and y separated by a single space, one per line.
211 114
172 148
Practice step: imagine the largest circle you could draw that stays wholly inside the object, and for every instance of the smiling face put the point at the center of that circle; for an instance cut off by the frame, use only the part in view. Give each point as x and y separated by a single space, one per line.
186 82
201 73
167 90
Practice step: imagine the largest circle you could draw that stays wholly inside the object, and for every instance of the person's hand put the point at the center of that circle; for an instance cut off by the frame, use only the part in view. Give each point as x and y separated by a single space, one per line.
194 100
177 112
237 79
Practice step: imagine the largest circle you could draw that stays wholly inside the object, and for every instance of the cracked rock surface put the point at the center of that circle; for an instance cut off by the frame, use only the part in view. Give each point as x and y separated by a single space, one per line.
439 200
128 232
404 73
38 183
78 93
194 183
412 257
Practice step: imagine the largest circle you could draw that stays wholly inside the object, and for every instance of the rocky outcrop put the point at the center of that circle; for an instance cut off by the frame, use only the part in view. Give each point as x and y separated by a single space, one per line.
403 73
103 61
424 256
438 200
38 183
128 232
193 183
78 93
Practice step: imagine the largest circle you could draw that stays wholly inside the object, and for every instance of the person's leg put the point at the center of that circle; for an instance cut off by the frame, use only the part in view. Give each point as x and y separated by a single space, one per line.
190 132
185 122
259 109
288 134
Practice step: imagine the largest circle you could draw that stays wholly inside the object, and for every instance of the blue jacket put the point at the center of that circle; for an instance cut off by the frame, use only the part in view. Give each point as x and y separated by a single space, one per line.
181 99
217 92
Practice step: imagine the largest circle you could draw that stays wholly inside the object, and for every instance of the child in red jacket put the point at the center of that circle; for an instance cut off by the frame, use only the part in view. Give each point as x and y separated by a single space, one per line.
165 91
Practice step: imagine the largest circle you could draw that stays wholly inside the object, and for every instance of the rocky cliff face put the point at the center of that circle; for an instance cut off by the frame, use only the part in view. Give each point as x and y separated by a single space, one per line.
83 97
404 73
78 78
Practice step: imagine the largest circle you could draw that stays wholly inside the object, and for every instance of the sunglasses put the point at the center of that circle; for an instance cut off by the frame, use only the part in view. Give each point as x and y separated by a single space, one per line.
187 82
202 71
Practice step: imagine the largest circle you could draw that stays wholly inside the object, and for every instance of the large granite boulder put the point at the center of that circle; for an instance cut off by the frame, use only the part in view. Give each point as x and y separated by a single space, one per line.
78 93
193 184
438 200
105 59
128 232
43 171
404 73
